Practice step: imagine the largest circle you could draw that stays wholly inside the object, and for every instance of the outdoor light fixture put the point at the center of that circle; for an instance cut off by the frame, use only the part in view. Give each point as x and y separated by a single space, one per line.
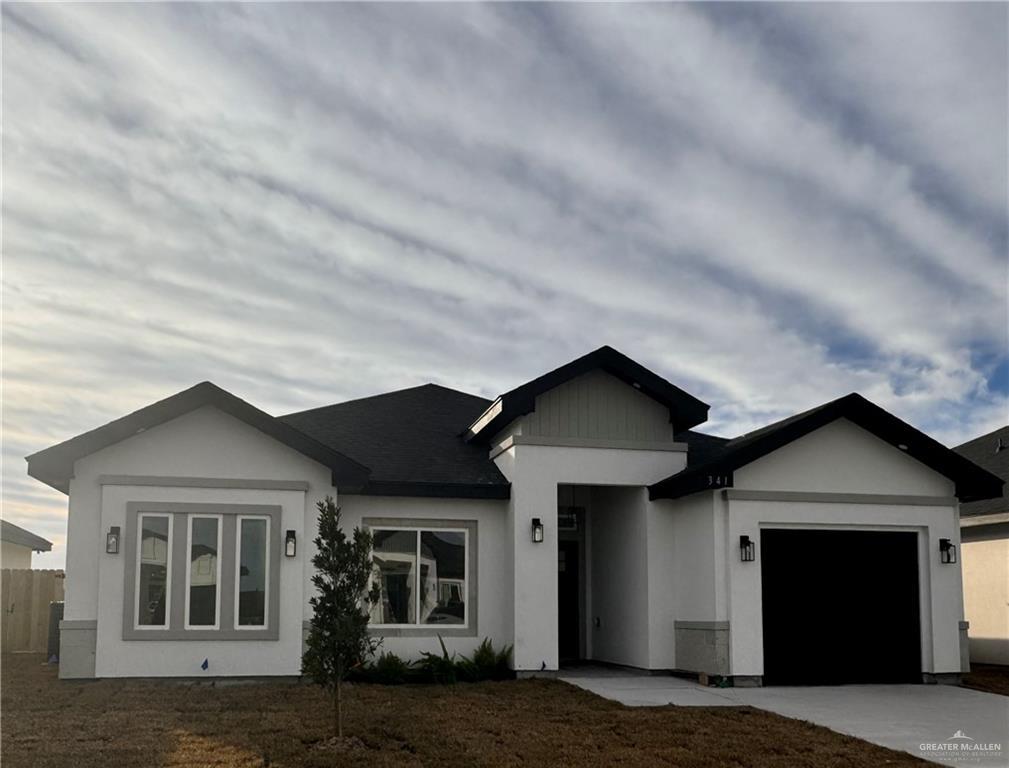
537 530
747 549
290 544
947 552
112 541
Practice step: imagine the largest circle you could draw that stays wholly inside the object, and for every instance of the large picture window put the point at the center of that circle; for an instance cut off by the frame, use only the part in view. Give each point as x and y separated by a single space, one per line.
203 571
421 574
253 573
203 577
154 562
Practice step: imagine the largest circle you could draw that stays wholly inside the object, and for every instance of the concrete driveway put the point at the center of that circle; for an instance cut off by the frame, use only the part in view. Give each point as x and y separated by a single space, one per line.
942 723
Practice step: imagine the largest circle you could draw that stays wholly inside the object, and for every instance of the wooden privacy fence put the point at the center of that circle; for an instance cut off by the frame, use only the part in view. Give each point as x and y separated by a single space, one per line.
25 595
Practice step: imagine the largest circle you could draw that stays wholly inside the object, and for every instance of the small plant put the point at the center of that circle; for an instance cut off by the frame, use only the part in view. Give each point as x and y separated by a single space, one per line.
389 669
439 669
486 663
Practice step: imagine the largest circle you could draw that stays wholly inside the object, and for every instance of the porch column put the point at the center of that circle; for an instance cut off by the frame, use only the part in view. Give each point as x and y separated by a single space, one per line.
534 494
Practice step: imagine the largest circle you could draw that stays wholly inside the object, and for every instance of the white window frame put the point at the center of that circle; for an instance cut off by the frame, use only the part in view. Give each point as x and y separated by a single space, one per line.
189 570
238 569
168 572
416 595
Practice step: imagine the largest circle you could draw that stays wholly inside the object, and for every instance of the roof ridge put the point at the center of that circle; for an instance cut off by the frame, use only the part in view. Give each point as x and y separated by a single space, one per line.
384 394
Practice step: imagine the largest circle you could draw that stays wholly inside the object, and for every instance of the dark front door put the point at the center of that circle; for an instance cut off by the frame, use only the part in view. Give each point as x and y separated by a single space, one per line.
840 607
567 600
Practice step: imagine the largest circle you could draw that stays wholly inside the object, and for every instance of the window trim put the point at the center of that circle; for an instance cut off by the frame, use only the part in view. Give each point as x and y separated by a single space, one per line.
292 569
189 571
137 626
238 565
471 529
420 531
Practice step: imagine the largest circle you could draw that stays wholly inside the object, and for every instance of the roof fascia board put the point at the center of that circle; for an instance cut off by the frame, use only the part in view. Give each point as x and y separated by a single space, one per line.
972 482
55 465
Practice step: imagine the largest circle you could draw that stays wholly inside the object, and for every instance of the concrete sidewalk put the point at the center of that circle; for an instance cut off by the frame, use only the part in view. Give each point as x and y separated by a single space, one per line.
903 717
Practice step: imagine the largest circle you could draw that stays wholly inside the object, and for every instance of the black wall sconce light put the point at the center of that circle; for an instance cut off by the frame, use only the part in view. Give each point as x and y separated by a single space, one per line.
947 552
112 541
290 544
537 530
747 549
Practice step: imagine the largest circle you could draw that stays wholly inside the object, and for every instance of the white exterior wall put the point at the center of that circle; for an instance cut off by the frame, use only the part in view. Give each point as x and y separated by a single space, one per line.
939 585
535 472
841 458
14 555
210 444
618 576
205 443
493 604
116 657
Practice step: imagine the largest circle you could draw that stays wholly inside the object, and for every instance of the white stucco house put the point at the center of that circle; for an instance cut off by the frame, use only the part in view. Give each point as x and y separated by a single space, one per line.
580 516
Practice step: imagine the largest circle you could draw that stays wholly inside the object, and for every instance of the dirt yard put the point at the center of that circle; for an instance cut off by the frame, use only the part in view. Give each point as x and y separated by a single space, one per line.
988 677
47 723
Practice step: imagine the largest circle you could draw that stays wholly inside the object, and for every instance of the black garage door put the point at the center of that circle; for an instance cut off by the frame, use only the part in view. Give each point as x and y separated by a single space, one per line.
840 607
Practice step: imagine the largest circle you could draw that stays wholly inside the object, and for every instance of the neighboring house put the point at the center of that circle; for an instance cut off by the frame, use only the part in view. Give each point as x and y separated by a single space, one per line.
984 531
578 516
17 545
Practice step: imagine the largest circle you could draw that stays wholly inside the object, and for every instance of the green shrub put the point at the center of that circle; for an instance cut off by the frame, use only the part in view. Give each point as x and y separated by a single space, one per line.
390 669
486 663
439 669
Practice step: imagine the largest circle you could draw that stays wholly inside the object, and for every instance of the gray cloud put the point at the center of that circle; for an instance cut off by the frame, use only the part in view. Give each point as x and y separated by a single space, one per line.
771 205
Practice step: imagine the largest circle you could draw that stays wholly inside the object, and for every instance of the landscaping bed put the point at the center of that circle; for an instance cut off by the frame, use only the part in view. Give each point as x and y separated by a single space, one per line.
78 724
988 677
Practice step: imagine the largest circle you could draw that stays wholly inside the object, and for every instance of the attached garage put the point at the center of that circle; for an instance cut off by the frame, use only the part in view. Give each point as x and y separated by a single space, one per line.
840 606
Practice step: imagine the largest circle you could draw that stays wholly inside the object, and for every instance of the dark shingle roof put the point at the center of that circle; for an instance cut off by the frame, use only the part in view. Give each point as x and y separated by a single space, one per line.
15 534
982 451
701 447
411 440
972 482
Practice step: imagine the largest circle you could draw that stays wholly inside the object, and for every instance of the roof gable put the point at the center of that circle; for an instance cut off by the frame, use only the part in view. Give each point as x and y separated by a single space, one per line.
685 410
55 465
972 482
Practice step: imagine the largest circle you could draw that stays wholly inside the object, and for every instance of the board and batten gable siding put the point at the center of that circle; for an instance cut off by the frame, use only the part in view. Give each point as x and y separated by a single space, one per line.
841 457
598 406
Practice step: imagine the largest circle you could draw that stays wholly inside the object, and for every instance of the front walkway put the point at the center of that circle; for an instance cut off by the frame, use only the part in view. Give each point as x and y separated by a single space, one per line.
903 717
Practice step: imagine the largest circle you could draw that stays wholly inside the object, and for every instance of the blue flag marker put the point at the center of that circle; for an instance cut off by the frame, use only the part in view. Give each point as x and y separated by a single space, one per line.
205 665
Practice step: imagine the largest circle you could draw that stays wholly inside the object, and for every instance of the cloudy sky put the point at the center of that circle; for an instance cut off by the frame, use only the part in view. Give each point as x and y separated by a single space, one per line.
769 205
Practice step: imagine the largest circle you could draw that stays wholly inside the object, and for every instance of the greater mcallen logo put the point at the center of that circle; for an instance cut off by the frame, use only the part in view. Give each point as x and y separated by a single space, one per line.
962 745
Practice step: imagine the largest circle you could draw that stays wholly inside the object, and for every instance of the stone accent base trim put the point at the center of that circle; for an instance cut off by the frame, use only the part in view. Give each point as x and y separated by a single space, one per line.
78 641
702 646
941 678
964 647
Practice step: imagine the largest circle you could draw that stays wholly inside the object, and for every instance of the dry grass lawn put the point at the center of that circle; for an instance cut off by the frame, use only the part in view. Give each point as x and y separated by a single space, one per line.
988 677
46 723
